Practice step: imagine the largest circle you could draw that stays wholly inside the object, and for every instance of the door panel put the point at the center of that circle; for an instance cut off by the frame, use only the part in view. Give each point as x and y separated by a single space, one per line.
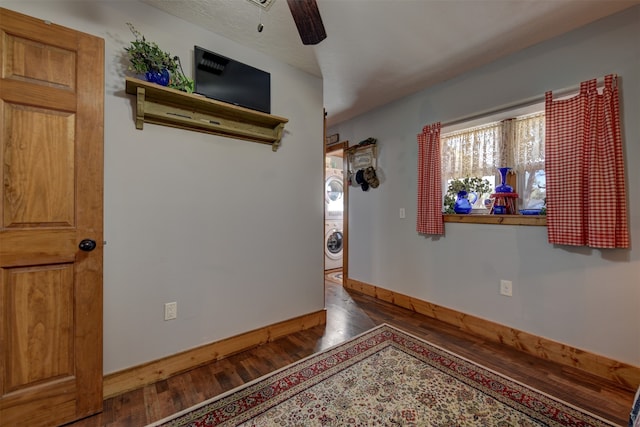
40 324
25 60
38 192
51 155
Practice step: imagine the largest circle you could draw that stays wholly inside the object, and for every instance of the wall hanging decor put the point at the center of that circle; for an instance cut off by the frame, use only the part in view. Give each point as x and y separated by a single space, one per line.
332 139
362 164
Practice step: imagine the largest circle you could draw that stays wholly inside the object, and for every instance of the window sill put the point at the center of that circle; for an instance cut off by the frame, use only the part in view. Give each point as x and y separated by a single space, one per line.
535 220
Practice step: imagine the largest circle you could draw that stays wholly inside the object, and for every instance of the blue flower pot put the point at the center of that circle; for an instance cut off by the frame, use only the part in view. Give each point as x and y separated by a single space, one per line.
161 78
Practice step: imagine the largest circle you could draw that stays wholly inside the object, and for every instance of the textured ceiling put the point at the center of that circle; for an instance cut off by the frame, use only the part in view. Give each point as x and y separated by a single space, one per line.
378 51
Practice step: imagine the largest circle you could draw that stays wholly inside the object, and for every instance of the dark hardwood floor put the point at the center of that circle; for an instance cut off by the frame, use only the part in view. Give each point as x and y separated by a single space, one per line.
349 314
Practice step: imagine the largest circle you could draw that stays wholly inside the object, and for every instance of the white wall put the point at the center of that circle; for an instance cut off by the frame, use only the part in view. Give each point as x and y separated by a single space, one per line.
587 298
227 228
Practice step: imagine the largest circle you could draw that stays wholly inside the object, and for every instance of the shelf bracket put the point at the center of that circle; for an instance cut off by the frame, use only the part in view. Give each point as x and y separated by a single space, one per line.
140 109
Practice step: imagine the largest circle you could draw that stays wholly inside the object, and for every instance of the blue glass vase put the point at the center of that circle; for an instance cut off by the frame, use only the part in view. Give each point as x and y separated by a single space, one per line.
504 188
158 77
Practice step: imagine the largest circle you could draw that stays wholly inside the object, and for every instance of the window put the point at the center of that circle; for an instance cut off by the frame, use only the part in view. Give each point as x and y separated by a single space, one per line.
528 160
514 142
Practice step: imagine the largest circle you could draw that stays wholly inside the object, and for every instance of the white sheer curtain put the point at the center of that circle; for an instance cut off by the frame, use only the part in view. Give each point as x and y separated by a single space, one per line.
528 152
471 152
517 143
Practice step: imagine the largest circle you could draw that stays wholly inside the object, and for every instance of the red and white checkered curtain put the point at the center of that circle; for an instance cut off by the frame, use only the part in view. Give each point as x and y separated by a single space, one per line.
586 198
429 220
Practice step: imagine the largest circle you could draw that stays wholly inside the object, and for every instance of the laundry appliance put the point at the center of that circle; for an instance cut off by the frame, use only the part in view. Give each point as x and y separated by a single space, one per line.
333 194
333 243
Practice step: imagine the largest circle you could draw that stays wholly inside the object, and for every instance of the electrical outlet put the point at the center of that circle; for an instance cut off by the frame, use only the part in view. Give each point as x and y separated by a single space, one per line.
170 310
506 288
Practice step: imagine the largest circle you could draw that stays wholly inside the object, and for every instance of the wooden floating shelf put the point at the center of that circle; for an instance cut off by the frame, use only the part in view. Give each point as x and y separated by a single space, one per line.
170 107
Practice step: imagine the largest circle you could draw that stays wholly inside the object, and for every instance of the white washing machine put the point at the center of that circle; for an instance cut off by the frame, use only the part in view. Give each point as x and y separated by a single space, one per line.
333 243
334 194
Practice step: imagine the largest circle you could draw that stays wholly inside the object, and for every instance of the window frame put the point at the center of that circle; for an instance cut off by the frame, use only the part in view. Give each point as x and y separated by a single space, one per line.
485 218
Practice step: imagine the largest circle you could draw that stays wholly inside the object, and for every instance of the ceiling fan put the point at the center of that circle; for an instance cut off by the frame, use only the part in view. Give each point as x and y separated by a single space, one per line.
306 16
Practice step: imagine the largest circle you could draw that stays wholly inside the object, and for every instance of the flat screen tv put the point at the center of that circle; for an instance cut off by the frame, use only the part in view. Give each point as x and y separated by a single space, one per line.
227 80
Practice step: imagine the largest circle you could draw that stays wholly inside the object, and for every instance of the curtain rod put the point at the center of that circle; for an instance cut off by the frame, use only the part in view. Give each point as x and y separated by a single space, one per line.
518 104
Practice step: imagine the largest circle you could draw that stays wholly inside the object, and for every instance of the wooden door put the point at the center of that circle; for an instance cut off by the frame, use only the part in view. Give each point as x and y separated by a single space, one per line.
51 158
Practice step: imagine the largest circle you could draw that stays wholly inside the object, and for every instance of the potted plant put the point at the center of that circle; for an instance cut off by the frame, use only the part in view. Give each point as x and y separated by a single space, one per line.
155 64
470 185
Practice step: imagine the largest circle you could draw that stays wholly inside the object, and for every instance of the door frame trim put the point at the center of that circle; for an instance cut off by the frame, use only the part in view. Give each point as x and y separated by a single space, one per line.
341 147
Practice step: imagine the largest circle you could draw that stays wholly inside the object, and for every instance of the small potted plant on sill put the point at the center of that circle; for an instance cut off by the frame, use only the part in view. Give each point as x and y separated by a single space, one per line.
157 65
460 188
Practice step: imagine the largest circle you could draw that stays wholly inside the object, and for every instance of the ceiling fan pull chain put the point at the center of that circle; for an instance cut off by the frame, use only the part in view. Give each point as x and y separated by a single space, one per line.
260 26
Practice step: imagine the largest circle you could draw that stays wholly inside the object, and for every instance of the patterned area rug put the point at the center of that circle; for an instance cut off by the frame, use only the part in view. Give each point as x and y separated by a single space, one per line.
334 276
384 377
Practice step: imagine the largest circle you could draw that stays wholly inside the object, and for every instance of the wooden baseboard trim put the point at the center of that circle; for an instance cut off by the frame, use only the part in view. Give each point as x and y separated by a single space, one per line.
139 376
623 374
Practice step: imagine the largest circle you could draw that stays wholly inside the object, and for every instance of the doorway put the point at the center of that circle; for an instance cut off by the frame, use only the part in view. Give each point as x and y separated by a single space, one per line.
335 189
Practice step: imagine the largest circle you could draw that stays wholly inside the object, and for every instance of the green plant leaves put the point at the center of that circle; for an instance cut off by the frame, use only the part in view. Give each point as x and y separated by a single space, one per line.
148 56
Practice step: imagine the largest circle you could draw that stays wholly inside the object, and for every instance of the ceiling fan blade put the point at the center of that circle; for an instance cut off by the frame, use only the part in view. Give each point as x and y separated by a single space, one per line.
307 18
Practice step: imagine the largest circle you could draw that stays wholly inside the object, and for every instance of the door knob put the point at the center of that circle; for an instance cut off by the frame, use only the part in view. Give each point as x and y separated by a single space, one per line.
87 245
